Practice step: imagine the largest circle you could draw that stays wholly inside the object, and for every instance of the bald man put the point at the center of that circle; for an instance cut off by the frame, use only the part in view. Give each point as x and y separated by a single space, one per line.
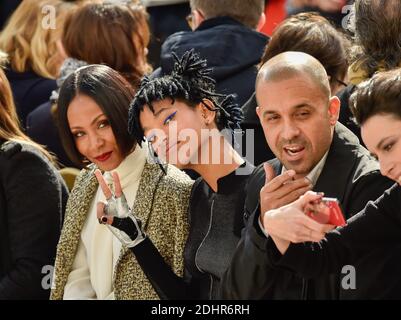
313 152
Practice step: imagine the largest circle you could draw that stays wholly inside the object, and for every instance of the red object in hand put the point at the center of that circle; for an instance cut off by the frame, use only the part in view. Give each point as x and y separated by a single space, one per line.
326 211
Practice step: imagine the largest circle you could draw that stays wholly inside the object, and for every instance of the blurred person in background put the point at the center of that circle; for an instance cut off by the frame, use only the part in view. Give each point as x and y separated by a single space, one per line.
32 203
333 10
7 7
30 41
165 18
226 34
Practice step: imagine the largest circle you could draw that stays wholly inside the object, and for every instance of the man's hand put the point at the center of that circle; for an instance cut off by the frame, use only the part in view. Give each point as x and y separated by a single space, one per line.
281 190
290 223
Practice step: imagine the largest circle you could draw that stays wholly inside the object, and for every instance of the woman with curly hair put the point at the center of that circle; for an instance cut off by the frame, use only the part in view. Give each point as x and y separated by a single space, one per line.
184 121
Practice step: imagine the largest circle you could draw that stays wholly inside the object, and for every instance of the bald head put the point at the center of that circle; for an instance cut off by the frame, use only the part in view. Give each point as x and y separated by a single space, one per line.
295 64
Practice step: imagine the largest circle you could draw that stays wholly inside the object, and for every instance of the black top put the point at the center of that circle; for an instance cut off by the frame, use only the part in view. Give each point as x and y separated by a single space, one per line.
346 116
216 221
29 91
371 243
32 203
7 7
41 127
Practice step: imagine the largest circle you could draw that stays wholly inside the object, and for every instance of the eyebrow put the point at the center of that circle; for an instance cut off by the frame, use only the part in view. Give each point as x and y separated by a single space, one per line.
156 114
299 106
92 122
382 141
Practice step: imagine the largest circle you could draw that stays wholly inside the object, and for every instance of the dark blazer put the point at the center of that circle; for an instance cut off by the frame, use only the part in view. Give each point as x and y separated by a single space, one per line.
371 243
29 91
41 127
352 176
32 202
346 116
7 7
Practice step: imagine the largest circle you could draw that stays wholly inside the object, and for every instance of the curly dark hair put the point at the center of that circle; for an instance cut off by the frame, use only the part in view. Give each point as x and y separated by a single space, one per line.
378 34
188 82
378 95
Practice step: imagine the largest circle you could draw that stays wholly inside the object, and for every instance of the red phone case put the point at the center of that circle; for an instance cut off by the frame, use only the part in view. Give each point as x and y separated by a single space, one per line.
331 213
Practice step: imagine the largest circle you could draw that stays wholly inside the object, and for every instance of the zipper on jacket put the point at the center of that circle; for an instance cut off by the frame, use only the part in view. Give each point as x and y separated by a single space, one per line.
304 292
203 240
211 287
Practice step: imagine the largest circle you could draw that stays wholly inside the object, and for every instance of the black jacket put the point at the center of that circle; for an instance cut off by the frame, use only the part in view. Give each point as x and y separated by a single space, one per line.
7 7
231 50
41 127
370 243
352 176
346 116
32 202
29 91
215 224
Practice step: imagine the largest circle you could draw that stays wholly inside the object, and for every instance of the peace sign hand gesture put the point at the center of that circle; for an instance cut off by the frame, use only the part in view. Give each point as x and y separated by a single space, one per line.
117 215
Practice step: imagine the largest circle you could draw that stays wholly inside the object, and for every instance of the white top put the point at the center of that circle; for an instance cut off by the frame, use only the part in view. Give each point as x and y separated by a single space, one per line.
98 250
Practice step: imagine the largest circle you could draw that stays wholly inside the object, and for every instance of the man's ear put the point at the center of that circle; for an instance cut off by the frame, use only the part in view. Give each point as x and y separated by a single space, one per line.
258 111
334 110
198 18
261 22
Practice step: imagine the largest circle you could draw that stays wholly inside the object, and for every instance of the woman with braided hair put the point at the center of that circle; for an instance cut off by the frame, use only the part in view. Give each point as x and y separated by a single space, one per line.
183 120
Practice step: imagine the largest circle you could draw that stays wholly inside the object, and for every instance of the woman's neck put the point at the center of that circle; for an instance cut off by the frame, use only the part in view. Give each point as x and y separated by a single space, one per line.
215 168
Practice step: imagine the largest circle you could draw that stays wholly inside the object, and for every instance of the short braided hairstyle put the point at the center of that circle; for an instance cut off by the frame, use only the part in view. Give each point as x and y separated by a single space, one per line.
190 82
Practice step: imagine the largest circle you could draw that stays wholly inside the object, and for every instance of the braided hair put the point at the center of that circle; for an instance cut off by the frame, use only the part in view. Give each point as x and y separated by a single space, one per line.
189 81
